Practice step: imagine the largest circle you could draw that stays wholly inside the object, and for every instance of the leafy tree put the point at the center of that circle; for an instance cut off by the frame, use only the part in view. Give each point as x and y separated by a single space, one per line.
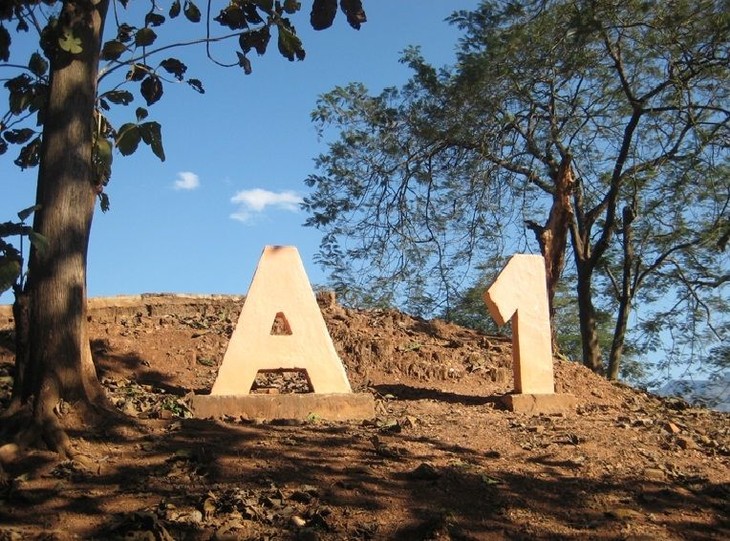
57 113
12 263
11 258
599 126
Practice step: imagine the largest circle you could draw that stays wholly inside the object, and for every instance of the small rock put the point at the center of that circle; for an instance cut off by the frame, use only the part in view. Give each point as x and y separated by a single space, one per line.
8 453
86 463
685 442
298 521
654 474
129 409
671 428
409 421
676 403
386 450
706 440
577 462
425 472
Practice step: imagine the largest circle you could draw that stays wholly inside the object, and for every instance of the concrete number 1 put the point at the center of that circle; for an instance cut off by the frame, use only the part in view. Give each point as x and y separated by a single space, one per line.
519 295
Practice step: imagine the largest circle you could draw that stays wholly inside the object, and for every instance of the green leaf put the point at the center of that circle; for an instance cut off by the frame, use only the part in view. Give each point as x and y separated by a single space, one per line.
124 32
191 12
103 158
112 50
38 65
290 46
175 67
251 13
24 214
10 269
21 93
233 17
354 12
19 101
244 62
151 89
138 72
104 202
266 5
29 155
10 229
120 97
128 139
18 136
292 6
323 13
255 39
38 241
4 44
197 85
152 135
141 113
144 37
174 9
70 43
154 19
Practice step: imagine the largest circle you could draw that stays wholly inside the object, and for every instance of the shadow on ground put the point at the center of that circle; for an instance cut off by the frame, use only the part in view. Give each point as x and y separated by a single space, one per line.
192 479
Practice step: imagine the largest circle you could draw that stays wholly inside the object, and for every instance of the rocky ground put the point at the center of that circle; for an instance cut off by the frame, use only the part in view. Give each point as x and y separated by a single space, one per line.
441 460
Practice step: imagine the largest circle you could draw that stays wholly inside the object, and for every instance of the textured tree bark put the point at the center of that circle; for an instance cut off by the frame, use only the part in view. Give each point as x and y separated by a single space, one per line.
627 293
588 322
580 235
553 236
21 391
60 363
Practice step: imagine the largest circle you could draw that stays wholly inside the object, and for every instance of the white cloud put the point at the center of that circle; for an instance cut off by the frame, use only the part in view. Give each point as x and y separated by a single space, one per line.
187 181
256 201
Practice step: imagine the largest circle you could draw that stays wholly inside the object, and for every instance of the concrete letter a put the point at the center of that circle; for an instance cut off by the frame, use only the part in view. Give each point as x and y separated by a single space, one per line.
280 290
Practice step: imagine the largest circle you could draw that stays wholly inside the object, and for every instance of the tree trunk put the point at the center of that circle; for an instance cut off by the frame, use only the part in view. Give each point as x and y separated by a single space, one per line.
627 293
20 392
580 235
588 322
60 362
553 236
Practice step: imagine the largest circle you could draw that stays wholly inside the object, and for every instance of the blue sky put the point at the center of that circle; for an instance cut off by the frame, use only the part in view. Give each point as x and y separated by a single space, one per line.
236 156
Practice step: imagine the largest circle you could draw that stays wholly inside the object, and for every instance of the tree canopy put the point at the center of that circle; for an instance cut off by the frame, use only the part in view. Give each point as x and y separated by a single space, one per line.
597 129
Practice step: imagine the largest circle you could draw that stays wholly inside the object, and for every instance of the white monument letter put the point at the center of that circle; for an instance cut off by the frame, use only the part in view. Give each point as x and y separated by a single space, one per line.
280 292
519 294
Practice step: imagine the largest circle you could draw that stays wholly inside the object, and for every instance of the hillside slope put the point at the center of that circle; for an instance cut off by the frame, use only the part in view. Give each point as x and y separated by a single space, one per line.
442 460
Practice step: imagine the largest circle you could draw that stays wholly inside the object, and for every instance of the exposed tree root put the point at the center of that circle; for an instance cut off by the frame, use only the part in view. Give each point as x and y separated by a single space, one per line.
50 430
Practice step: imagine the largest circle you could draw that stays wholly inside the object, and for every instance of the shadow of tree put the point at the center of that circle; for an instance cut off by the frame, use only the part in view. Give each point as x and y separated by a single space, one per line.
333 471
193 478
107 361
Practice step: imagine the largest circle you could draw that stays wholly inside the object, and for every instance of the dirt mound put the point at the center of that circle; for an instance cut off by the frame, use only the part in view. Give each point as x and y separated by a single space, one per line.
440 461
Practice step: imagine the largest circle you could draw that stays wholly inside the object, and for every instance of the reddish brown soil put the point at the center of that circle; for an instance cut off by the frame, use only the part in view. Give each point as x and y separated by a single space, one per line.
442 460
